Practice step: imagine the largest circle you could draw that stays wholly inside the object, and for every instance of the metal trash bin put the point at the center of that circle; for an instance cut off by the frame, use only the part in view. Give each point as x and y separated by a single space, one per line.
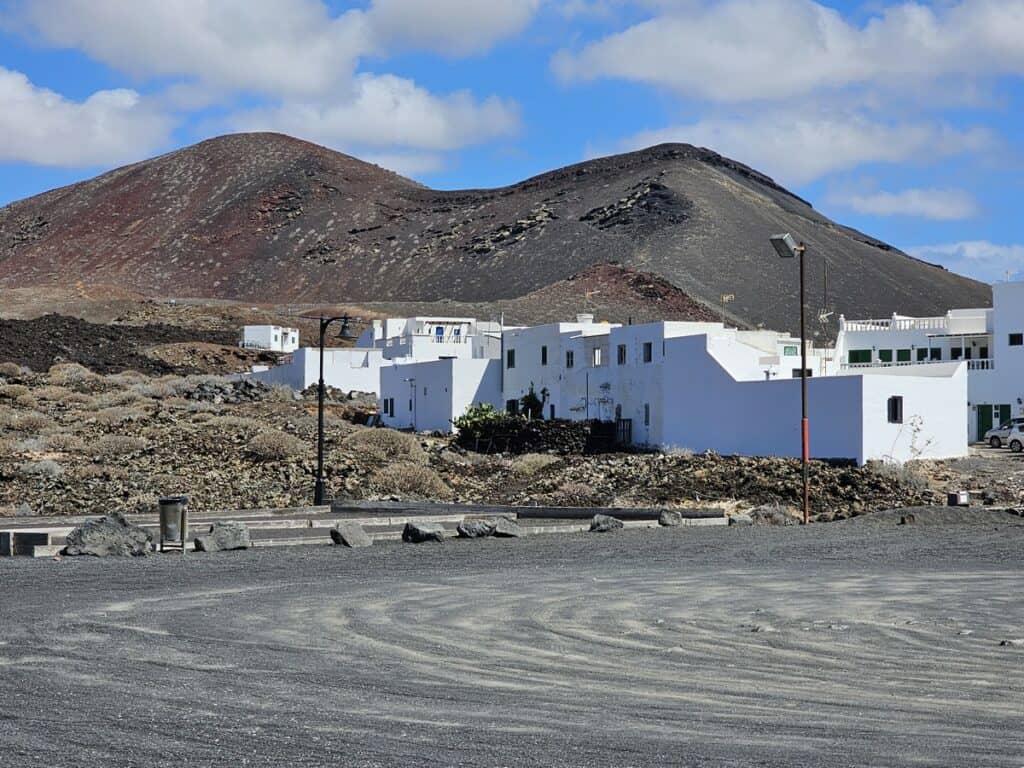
173 523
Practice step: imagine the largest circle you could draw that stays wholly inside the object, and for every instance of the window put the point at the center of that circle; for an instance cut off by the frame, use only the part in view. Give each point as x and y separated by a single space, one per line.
544 355
902 355
895 409
512 406
618 412
597 357
935 354
551 412
510 358
424 391
410 405
621 354
807 373
922 354
860 356
956 353
1017 339
570 359
885 355
790 350
648 351
647 414
983 353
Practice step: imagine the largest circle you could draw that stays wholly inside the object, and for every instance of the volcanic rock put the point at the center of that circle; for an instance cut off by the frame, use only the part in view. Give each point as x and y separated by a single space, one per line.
224 536
670 518
417 533
475 529
504 528
109 535
604 523
350 534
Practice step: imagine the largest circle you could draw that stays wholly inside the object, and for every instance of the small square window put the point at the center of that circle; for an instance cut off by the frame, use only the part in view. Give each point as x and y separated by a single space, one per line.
895 409
790 350
648 351
902 355
922 354
885 355
1017 339
935 354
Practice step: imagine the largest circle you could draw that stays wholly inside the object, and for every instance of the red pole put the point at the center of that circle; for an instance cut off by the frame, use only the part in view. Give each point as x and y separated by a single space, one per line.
804 426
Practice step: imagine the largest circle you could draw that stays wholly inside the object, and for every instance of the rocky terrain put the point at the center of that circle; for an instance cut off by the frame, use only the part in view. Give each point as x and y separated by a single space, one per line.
74 442
268 218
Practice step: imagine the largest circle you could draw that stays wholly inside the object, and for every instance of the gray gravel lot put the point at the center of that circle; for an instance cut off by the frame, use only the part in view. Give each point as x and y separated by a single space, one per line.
843 644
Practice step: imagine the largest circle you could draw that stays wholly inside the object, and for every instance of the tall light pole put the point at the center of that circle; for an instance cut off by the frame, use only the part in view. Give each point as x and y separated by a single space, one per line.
788 248
344 333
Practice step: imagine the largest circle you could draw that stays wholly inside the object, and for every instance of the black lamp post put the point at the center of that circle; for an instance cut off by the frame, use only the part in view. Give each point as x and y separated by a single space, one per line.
344 333
788 248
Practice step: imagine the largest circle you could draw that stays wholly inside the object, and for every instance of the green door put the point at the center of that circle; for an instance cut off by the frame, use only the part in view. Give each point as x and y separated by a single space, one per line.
1004 414
984 420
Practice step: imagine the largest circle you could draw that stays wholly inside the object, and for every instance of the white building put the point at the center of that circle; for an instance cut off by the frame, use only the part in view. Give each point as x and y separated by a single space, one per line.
273 338
428 396
387 342
989 341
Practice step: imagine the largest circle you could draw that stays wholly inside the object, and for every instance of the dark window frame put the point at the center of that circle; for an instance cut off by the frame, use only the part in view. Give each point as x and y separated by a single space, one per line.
894 409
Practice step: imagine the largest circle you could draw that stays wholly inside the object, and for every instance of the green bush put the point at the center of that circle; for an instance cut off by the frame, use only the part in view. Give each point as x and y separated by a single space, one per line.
483 421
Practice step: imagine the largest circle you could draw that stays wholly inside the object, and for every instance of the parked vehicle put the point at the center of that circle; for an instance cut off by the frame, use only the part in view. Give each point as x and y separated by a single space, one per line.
998 436
1016 439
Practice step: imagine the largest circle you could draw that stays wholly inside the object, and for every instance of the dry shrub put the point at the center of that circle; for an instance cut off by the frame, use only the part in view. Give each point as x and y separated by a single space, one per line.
52 393
125 378
70 375
26 401
907 474
87 402
10 370
235 423
113 416
280 393
13 391
576 495
33 421
404 478
64 442
385 445
677 450
102 472
117 445
153 390
275 446
30 445
44 468
6 447
8 417
122 397
531 463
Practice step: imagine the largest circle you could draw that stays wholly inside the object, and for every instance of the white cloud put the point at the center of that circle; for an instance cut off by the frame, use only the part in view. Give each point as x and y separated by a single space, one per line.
42 127
754 50
937 204
451 27
979 259
796 149
410 164
385 111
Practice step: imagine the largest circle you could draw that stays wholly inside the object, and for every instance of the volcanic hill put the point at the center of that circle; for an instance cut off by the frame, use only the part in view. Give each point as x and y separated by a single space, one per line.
269 218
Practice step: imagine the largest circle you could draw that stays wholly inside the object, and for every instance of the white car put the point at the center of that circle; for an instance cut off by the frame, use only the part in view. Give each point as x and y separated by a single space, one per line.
1016 438
997 437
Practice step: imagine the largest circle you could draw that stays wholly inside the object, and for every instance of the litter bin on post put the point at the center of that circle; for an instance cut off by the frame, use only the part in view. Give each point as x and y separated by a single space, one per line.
173 523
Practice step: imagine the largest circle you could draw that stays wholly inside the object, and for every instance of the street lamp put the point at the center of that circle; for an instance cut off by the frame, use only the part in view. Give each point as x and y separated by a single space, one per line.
344 333
788 248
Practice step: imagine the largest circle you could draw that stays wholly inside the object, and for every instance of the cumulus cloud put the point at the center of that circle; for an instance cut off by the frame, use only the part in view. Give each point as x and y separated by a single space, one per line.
937 204
754 50
979 259
796 149
385 110
451 27
42 127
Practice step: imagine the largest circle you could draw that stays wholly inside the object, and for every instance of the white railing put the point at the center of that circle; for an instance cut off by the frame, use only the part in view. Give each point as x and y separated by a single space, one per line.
897 324
986 364
981 365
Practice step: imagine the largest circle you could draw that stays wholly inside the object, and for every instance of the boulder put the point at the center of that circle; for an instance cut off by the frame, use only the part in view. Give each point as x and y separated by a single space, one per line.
417 533
109 535
505 528
771 514
670 518
224 536
741 519
475 529
908 519
604 523
350 534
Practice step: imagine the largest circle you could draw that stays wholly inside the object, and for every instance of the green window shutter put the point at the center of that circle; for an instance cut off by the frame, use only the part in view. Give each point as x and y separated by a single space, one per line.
860 356
922 354
902 355
885 355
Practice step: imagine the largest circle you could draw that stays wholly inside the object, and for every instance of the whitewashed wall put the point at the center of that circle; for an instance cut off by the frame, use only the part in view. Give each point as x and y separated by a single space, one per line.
438 392
346 369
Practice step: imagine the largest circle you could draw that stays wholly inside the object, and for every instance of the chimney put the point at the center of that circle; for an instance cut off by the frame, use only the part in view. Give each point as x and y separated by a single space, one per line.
584 319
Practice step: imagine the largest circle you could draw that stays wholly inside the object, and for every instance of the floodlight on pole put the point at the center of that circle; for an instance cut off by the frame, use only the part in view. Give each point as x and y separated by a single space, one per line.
787 248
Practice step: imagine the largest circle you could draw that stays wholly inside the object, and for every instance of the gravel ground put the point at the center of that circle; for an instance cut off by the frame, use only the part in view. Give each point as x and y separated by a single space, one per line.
855 643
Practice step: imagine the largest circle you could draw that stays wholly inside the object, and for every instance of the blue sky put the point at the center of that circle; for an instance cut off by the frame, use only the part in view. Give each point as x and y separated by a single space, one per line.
901 119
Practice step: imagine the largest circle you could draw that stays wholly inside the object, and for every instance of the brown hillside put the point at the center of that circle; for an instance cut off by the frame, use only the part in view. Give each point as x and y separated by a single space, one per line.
265 217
